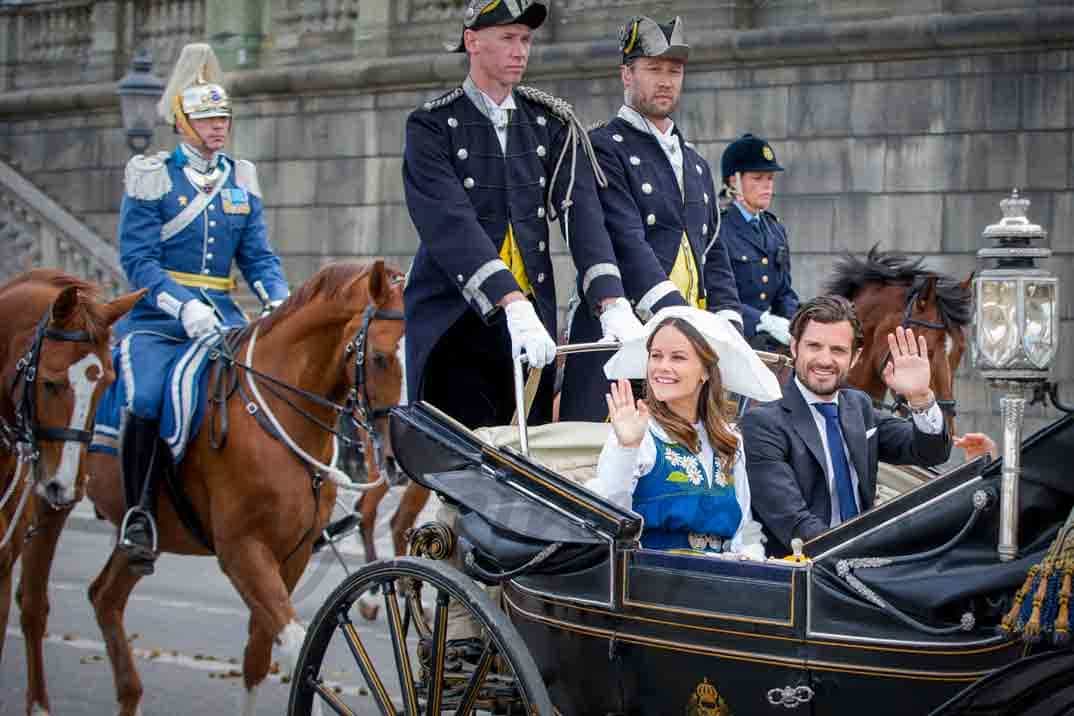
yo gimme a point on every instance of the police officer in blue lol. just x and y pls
(186, 217)
(486, 167)
(757, 243)
(660, 206)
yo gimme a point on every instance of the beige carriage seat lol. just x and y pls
(570, 449)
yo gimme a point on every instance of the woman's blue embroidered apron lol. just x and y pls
(681, 511)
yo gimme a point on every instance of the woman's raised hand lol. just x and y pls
(629, 418)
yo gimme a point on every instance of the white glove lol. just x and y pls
(618, 321)
(776, 326)
(198, 319)
(529, 334)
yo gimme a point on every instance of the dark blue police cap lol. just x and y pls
(748, 154)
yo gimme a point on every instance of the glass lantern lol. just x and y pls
(139, 91)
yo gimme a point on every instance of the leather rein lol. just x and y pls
(899, 405)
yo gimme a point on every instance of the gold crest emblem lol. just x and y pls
(183, 200)
(706, 701)
(767, 153)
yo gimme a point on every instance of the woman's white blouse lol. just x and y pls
(619, 469)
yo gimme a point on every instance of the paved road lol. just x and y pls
(188, 628)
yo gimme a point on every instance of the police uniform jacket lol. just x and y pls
(180, 254)
(646, 216)
(462, 192)
(761, 259)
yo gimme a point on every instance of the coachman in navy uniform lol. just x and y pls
(660, 206)
(757, 243)
(486, 167)
(186, 217)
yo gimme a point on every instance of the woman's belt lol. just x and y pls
(698, 542)
(197, 280)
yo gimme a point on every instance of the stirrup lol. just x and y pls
(337, 530)
(141, 558)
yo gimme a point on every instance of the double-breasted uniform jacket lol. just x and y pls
(463, 191)
(180, 242)
(761, 259)
(647, 215)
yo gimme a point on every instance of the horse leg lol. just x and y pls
(108, 594)
(32, 597)
(410, 506)
(367, 509)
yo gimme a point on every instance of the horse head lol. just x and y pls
(57, 364)
(376, 381)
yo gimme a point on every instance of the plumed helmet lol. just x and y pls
(193, 91)
(748, 154)
(644, 37)
(480, 14)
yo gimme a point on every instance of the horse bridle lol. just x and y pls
(357, 405)
(22, 436)
(900, 404)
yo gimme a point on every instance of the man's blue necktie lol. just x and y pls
(844, 486)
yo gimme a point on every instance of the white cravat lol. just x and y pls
(668, 140)
(498, 114)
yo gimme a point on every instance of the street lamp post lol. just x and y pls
(139, 91)
(1015, 338)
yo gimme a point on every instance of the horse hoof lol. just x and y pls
(368, 609)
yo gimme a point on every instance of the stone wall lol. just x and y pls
(902, 131)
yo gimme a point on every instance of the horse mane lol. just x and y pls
(92, 319)
(328, 283)
(852, 274)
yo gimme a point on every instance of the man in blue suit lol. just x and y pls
(186, 217)
(486, 167)
(659, 206)
(757, 243)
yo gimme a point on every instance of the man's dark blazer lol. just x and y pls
(786, 464)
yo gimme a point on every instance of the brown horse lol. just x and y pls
(55, 365)
(889, 290)
(334, 339)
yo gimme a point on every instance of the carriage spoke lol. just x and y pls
(365, 664)
(402, 656)
(415, 610)
(481, 670)
(331, 698)
(436, 658)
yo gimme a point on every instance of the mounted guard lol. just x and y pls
(187, 216)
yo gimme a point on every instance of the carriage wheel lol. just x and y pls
(417, 671)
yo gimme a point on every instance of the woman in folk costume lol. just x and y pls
(672, 457)
(186, 217)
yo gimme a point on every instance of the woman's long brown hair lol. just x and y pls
(709, 402)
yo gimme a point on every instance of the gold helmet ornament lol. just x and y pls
(194, 92)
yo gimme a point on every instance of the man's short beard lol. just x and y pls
(648, 109)
(802, 374)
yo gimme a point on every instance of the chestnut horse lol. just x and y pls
(262, 499)
(55, 364)
(890, 290)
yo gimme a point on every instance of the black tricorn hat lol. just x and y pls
(480, 14)
(644, 37)
(748, 154)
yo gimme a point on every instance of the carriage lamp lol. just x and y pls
(139, 91)
(1015, 337)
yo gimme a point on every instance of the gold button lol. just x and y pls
(764, 296)
(764, 279)
(765, 260)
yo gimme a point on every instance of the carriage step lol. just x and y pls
(337, 530)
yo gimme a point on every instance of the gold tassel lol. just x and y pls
(1032, 629)
(1010, 622)
(1062, 620)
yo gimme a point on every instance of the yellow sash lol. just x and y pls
(197, 280)
(511, 256)
(684, 275)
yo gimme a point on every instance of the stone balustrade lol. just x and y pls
(35, 231)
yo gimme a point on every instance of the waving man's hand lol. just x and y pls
(908, 372)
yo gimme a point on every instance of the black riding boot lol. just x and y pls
(138, 532)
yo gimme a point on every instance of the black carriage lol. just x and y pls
(894, 612)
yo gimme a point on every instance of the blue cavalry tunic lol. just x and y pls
(761, 259)
(464, 191)
(179, 242)
(647, 215)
